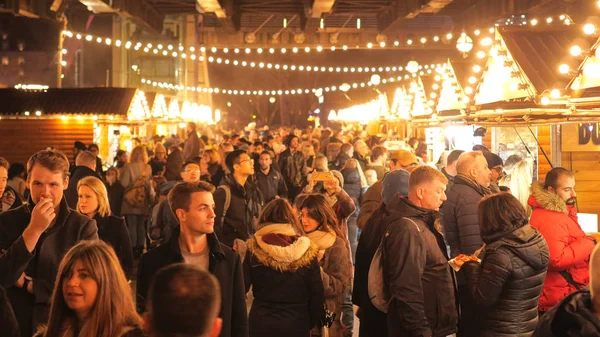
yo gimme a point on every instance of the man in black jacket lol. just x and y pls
(194, 242)
(578, 314)
(372, 321)
(450, 169)
(269, 182)
(415, 263)
(85, 166)
(292, 165)
(237, 220)
(9, 198)
(35, 237)
(461, 225)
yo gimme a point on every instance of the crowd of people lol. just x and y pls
(291, 233)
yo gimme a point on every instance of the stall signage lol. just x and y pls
(582, 137)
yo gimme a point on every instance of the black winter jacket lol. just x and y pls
(352, 184)
(224, 264)
(116, 192)
(292, 168)
(70, 228)
(244, 206)
(339, 162)
(574, 316)
(417, 273)
(271, 185)
(460, 221)
(288, 296)
(507, 285)
(372, 321)
(113, 230)
(71, 194)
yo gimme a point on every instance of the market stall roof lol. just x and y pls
(540, 53)
(587, 81)
(101, 101)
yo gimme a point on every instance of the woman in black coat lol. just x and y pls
(507, 285)
(93, 202)
(283, 269)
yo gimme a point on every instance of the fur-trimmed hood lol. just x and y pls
(297, 255)
(542, 198)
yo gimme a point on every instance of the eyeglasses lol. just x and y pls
(245, 160)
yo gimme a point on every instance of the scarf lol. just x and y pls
(322, 239)
(281, 242)
(469, 181)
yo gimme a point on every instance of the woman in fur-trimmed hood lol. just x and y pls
(283, 269)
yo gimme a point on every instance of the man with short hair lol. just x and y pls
(555, 216)
(237, 220)
(346, 153)
(78, 147)
(400, 159)
(361, 153)
(34, 238)
(85, 166)
(495, 165)
(416, 267)
(269, 182)
(379, 156)
(166, 221)
(95, 150)
(9, 198)
(195, 243)
(183, 300)
(578, 314)
(293, 166)
(461, 226)
(450, 169)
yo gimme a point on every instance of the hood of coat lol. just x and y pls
(542, 198)
(351, 176)
(290, 257)
(401, 207)
(527, 243)
(575, 316)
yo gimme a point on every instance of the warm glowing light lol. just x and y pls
(480, 54)
(486, 41)
(472, 80)
(382, 44)
(564, 69)
(549, 20)
(589, 28)
(369, 45)
(534, 22)
(575, 51)
(423, 40)
(545, 100)
(476, 68)
(555, 93)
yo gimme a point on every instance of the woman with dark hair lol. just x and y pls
(283, 269)
(508, 283)
(215, 170)
(16, 179)
(319, 223)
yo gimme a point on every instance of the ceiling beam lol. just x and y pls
(227, 14)
(407, 9)
(320, 7)
(138, 11)
(211, 6)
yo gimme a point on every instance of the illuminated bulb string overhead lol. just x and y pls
(149, 48)
(342, 87)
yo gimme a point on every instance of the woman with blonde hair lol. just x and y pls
(137, 180)
(93, 202)
(308, 151)
(91, 296)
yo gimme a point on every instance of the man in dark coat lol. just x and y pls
(292, 165)
(9, 198)
(194, 242)
(85, 166)
(175, 162)
(372, 321)
(8, 321)
(578, 313)
(35, 237)
(461, 225)
(191, 148)
(415, 262)
(268, 180)
(450, 169)
(346, 153)
(237, 221)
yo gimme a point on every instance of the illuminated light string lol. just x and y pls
(299, 91)
(449, 37)
(151, 49)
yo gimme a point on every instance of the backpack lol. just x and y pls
(379, 292)
(135, 194)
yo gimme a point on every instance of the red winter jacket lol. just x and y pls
(569, 247)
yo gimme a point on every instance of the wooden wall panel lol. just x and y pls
(584, 166)
(543, 135)
(22, 138)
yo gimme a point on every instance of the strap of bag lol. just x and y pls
(227, 202)
(570, 280)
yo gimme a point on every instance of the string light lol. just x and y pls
(333, 88)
